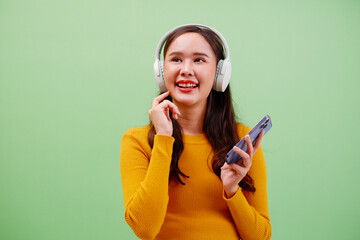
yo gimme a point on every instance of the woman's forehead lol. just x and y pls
(193, 42)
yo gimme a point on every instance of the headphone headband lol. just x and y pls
(165, 37)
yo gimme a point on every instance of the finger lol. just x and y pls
(258, 141)
(241, 152)
(238, 170)
(159, 98)
(167, 114)
(173, 108)
(225, 166)
(249, 146)
(246, 160)
(246, 163)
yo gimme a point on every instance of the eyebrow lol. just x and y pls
(195, 53)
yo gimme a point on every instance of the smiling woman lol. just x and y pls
(189, 70)
(175, 180)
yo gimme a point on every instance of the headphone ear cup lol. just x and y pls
(162, 87)
(218, 69)
(159, 75)
(161, 65)
(222, 76)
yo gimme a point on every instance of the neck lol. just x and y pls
(192, 119)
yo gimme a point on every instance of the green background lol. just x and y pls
(75, 75)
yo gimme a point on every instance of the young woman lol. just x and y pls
(176, 183)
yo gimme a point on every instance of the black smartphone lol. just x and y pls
(264, 124)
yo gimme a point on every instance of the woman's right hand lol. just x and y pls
(160, 115)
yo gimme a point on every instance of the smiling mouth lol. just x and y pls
(187, 85)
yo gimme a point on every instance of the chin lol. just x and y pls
(187, 101)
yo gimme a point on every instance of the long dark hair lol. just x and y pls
(219, 125)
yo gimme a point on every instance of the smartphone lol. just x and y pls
(264, 124)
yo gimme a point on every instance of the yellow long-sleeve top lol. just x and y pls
(157, 209)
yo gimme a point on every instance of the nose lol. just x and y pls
(186, 69)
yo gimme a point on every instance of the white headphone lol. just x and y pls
(223, 70)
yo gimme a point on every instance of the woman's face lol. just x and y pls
(189, 69)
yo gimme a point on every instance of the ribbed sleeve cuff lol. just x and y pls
(162, 149)
(164, 143)
(236, 199)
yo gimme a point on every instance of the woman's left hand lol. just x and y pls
(232, 174)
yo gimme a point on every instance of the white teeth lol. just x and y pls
(186, 85)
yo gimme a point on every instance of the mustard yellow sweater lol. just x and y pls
(155, 209)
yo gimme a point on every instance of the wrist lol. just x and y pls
(166, 133)
(231, 191)
(163, 131)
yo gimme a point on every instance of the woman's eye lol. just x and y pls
(199, 60)
(176, 60)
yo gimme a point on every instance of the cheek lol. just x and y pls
(209, 74)
(169, 77)
(169, 72)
